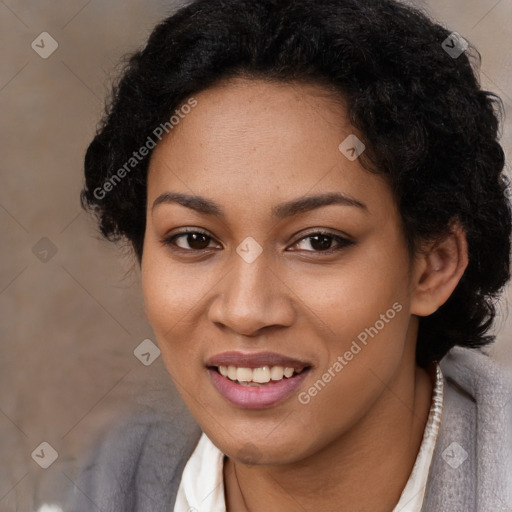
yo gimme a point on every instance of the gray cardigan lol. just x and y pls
(138, 466)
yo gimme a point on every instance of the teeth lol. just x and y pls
(260, 375)
(276, 372)
(244, 374)
(232, 372)
(288, 372)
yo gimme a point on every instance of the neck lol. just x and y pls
(377, 454)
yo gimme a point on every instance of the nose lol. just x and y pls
(251, 297)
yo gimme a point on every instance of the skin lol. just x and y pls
(250, 145)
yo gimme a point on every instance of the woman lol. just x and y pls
(314, 192)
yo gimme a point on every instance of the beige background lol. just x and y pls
(69, 325)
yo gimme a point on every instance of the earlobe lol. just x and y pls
(439, 270)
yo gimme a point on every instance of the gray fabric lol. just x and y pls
(477, 416)
(138, 466)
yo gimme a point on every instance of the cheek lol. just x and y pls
(363, 351)
(171, 297)
(169, 289)
(350, 297)
(364, 309)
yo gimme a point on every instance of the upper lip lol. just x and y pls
(256, 360)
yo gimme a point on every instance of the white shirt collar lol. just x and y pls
(411, 499)
(202, 484)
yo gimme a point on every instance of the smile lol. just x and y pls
(258, 380)
(257, 376)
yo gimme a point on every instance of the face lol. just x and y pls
(267, 248)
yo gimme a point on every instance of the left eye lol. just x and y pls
(321, 242)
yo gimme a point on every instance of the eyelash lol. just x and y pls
(342, 241)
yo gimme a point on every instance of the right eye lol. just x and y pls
(191, 241)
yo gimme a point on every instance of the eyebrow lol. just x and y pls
(281, 211)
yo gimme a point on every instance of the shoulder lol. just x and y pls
(472, 463)
(476, 372)
(137, 466)
(478, 398)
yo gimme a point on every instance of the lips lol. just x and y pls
(255, 381)
(258, 360)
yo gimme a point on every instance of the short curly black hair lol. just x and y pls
(411, 90)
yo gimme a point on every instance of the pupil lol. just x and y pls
(193, 240)
(324, 244)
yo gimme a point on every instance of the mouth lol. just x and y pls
(257, 376)
(256, 381)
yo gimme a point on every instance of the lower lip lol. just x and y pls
(256, 397)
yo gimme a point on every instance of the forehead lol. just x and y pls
(258, 121)
(248, 139)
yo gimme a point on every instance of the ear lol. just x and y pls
(438, 269)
